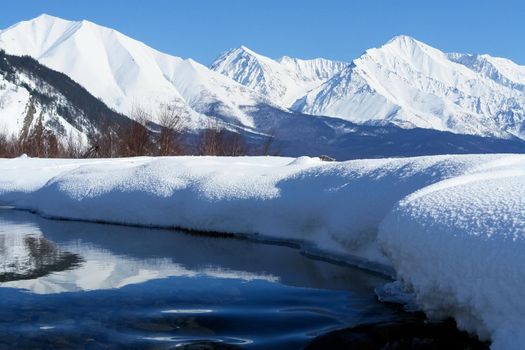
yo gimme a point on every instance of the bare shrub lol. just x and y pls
(39, 141)
(171, 119)
(9, 146)
(217, 141)
(74, 146)
(269, 146)
(105, 144)
(136, 140)
(235, 145)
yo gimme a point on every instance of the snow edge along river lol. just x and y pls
(452, 227)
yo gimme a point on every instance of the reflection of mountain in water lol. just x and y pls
(116, 256)
(26, 257)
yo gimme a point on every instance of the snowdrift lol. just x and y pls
(459, 245)
(451, 226)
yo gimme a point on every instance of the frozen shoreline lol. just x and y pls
(450, 226)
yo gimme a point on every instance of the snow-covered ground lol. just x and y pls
(453, 227)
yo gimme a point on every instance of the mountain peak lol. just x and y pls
(45, 18)
(402, 38)
(283, 80)
(405, 43)
(247, 50)
(405, 48)
(44, 22)
(239, 53)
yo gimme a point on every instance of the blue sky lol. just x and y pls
(336, 29)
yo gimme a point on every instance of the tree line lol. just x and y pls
(167, 137)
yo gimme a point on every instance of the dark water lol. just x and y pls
(79, 285)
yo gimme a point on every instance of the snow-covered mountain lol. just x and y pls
(501, 70)
(414, 85)
(283, 81)
(404, 82)
(124, 72)
(19, 110)
(31, 93)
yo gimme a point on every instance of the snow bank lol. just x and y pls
(460, 245)
(452, 226)
(336, 206)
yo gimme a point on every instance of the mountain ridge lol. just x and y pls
(132, 73)
(413, 84)
(283, 80)
(402, 84)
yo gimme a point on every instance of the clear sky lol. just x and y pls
(335, 29)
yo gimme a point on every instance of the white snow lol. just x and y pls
(459, 244)
(125, 73)
(13, 105)
(451, 226)
(283, 81)
(415, 85)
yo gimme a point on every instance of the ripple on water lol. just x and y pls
(83, 285)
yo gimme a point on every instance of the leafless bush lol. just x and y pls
(217, 141)
(9, 146)
(74, 146)
(136, 140)
(269, 146)
(235, 145)
(39, 141)
(171, 120)
(105, 144)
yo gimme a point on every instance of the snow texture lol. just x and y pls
(329, 204)
(459, 245)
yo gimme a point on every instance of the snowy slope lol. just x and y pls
(412, 84)
(31, 93)
(452, 226)
(20, 110)
(503, 71)
(124, 72)
(283, 80)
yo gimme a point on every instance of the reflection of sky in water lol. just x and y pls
(141, 287)
(116, 256)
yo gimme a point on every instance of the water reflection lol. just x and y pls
(85, 256)
(77, 285)
(28, 257)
